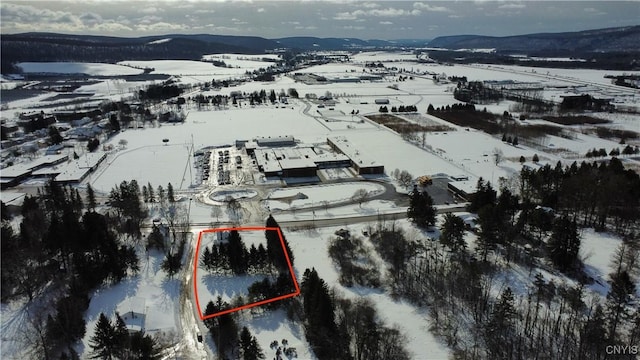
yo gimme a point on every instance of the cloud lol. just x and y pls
(161, 26)
(149, 19)
(345, 16)
(428, 7)
(594, 11)
(369, 5)
(375, 12)
(385, 23)
(261, 10)
(90, 19)
(151, 10)
(512, 6)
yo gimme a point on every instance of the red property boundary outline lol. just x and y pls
(246, 306)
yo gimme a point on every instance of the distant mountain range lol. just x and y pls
(37, 46)
(621, 39)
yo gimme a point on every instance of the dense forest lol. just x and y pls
(63, 249)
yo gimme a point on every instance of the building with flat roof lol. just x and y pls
(363, 164)
(77, 170)
(14, 175)
(463, 188)
(297, 161)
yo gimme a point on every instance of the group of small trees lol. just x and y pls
(535, 159)
(113, 341)
(354, 261)
(230, 343)
(125, 200)
(338, 328)
(455, 107)
(267, 289)
(510, 140)
(401, 108)
(149, 196)
(233, 256)
(158, 92)
(627, 150)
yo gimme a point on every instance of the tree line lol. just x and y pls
(233, 256)
(401, 108)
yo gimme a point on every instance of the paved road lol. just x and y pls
(324, 222)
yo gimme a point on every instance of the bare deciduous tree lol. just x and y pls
(360, 196)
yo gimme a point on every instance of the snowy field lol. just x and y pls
(98, 69)
(151, 162)
(309, 196)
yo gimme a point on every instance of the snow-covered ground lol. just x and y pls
(101, 69)
(151, 295)
(147, 159)
(309, 196)
(310, 248)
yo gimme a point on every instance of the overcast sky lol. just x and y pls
(340, 18)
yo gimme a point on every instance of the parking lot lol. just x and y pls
(222, 166)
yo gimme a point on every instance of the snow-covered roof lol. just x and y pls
(76, 170)
(468, 186)
(24, 168)
(12, 197)
(348, 148)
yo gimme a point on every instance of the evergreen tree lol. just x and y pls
(421, 210)
(206, 260)
(161, 194)
(145, 194)
(488, 237)
(170, 195)
(54, 135)
(143, 347)
(121, 339)
(593, 335)
(91, 198)
(535, 158)
(620, 296)
(249, 346)
(499, 331)
(152, 197)
(237, 253)
(102, 342)
(452, 232)
(484, 195)
(274, 249)
(171, 264)
(564, 244)
(319, 308)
